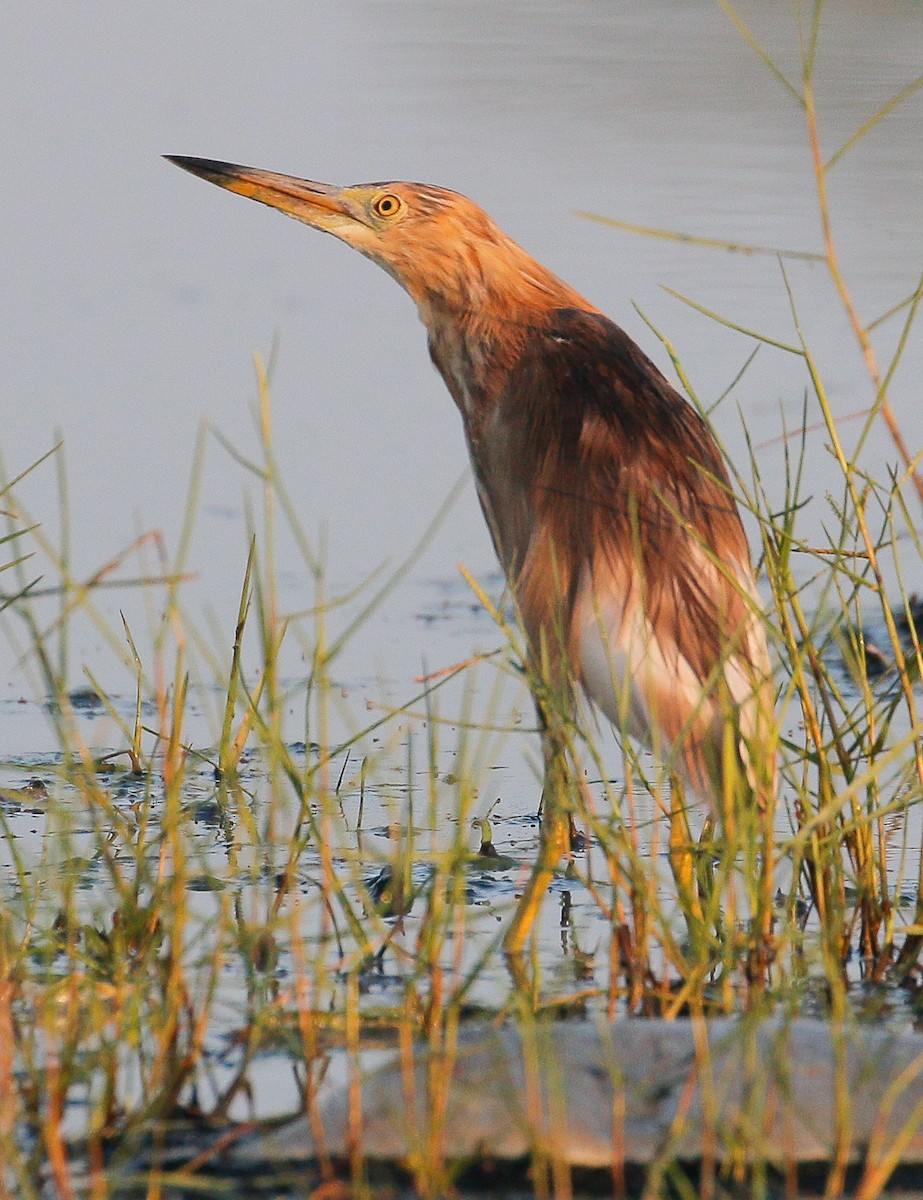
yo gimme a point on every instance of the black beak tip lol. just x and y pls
(205, 168)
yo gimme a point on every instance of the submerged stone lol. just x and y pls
(633, 1092)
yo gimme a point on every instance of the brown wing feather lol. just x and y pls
(610, 456)
(615, 475)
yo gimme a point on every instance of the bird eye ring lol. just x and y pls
(386, 205)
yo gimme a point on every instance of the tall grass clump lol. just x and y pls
(261, 867)
(857, 771)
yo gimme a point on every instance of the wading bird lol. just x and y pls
(605, 495)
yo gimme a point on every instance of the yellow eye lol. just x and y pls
(387, 205)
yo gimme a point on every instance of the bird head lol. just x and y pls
(444, 250)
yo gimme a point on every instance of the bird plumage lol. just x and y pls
(612, 513)
(606, 496)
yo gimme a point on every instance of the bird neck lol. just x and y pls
(472, 352)
(495, 291)
(479, 321)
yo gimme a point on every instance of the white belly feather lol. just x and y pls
(650, 691)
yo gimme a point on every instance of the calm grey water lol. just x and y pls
(133, 296)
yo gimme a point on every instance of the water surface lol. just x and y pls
(135, 296)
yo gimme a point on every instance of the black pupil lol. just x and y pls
(386, 205)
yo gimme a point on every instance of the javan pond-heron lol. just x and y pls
(606, 496)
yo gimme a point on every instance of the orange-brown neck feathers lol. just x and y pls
(454, 260)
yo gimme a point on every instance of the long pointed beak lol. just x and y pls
(317, 204)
